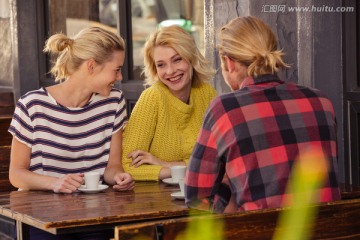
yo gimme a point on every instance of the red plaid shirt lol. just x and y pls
(253, 136)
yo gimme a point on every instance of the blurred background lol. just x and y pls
(322, 47)
(70, 16)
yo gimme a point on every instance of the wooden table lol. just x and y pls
(349, 191)
(78, 212)
(334, 220)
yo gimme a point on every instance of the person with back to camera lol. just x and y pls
(251, 136)
(63, 131)
(166, 119)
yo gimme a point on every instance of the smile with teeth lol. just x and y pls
(176, 78)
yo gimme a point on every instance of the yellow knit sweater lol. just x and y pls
(165, 126)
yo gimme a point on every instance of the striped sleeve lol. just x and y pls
(21, 126)
(121, 114)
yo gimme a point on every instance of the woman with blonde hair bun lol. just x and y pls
(251, 137)
(65, 130)
(166, 119)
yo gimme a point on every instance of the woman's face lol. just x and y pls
(105, 75)
(173, 70)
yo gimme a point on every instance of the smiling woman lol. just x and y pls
(166, 120)
(63, 131)
(174, 72)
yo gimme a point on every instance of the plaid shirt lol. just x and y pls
(252, 137)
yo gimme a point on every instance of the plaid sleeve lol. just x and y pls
(204, 188)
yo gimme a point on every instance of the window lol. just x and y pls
(351, 43)
(70, 16)
(147, 15)
(133, 19)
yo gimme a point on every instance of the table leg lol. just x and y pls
(22, 231)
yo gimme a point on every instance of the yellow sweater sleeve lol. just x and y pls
(139, 133)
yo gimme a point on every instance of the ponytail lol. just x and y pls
(268, 62)
(59, 44)
(251, 42)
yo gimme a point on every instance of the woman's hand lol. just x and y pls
(68, 183)
(140, 157)
(124, 181)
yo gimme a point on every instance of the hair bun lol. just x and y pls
(263, 59)
(69, 42)
(65, 43)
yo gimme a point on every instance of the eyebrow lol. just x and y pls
(171, 58)
(176, 55)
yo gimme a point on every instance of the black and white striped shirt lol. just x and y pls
(67, 140)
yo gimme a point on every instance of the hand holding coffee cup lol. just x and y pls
(177, 172)
(92, 180)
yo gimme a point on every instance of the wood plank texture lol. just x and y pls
(334, 221)
(5, 185)
(4, 158)
(7, 105)
(5, 149)
(5, 136)
(349, 192)
(60, 213)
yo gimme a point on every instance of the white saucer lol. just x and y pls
(102, 187)
(178, 195)
(170, 181)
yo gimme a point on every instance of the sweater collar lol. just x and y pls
(177, 103)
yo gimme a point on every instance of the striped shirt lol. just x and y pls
(254, 135)
(67, 140)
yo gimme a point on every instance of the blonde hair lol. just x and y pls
(183, 43)
(90, 43)
(251, 42)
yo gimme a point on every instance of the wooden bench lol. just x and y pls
(5, 149)
(7, 225)
(7, 103)
(5, 136)
(334, 220)
(5, 185)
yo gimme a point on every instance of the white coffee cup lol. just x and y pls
(92, 180)
(177, 172)
(182, 186)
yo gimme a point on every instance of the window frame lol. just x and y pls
(351, 89)
(125, 29)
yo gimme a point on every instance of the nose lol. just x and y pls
(119, 76)
(170, 70)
